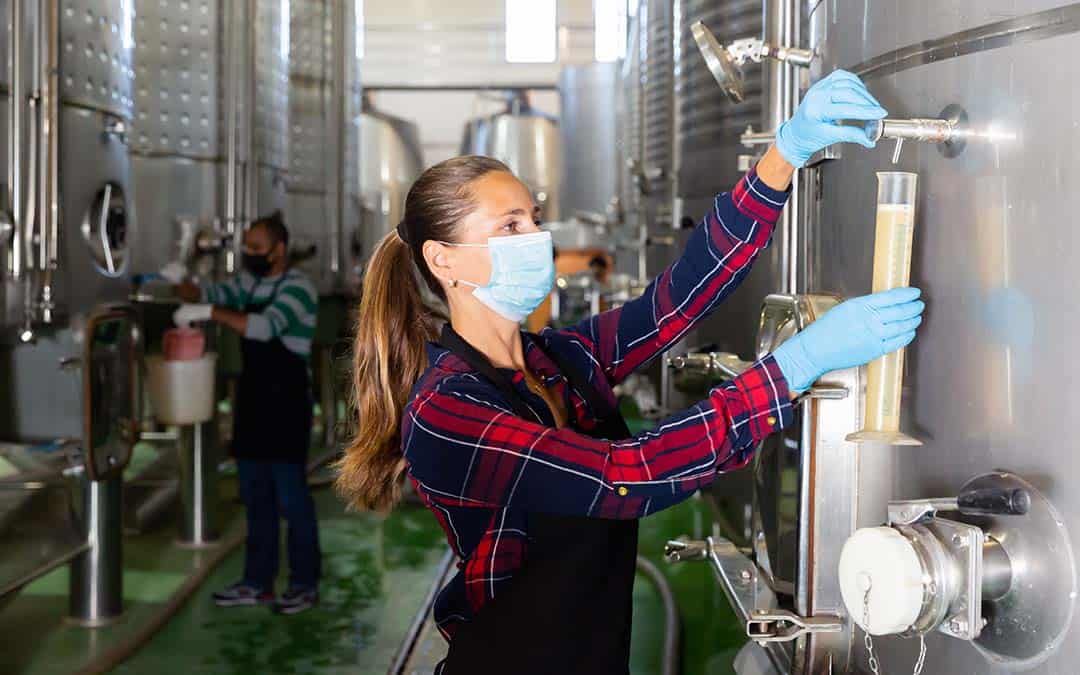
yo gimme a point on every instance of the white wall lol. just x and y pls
(461, 43)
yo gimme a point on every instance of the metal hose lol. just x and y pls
(672, 628)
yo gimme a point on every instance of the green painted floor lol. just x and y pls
(377, 571)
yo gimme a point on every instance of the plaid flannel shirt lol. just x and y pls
(481, 469)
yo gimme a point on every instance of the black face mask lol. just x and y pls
(258, 265)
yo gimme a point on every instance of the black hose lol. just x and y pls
(672, 627)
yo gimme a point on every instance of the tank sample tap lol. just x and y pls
(949, 130)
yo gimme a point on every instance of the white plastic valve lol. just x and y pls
(882, 561)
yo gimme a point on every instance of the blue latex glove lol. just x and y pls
(840, 96)
(852, 333)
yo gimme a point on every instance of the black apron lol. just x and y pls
(567, 611)
(273, 402)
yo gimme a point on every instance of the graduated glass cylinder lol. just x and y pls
(892, 269)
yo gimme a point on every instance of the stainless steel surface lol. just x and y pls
(587, 124)
(658, 106)
(112, 351)
(47, 228)
(96, 44)
(710, 123)
(783, 26)
(630, 101)
(992, 343)
(322, 107)
(178, 75)
(778, 625)
(198, 460)
(38, 531)
(806, 493)
(528, 141)
(719, 62)
(1030, 623)
(390, 161)
(92, 162)
(96, 586)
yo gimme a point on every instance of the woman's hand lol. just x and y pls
(852, 333)
(814, 126)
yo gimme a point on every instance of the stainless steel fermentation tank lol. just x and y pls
(390, 161)
(588, 124)
(987, 381)
(210, 138)
(525, 139)
(324, 101)
(987, 385)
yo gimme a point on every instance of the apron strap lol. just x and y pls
(600, 406)
(480, 363)
(611, 419)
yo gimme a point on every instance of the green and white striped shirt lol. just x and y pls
(290, 315)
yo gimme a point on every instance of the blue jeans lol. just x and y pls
(271, 490)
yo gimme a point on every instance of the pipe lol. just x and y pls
(15, 135)
(231, 117)
(251, 165)
(997, 571)
(672, 635)
(782, 97)
(338, 118)
(96, 584)
(48, 35)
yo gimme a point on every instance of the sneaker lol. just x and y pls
(296, 600)
(242, 595)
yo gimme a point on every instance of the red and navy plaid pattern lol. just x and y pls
(481, 469)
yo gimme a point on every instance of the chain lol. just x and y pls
(869, 642)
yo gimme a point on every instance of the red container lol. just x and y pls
(184, 344)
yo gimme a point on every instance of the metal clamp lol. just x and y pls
(778, 625)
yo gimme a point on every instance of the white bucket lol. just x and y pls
(182, 392)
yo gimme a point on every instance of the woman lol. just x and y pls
(513, 440)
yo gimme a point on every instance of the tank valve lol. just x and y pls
(998, 572)
(949, 130)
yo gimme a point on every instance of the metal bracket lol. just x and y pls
(778, 625)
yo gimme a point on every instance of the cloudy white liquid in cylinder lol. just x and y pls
(892, 269)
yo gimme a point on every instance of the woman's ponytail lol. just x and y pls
(392, 330)
(394, 325)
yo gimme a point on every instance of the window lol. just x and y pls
(530, 31)
(609, 17)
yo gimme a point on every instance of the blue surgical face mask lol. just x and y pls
(522, 273)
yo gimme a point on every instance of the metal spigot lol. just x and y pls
(948, 130)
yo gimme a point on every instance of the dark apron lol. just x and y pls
(273, 402)
(567, 611)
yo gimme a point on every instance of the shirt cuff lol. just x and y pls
(768, 400)
(756, 200)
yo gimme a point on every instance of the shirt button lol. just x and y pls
(771, 420)
(623, 491)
